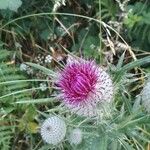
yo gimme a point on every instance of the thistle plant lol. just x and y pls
(86, 89)
(75, 95)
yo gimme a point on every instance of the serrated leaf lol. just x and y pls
(130, 66)
(120, 61)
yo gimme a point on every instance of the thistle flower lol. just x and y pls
(146, 97)
(83, 85)
(53, 130)
(75, 136)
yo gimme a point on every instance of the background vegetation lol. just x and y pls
(113, 32)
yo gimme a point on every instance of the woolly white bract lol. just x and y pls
(75, 136)
(53, 130)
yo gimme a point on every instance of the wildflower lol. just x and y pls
(48, 59)
(43, 86)
(53, 130)
(39, 59)
(146, 97)
(83, 85)
(75, 136)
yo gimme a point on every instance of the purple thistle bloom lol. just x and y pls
(83, 85)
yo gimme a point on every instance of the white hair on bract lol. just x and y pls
(53, 130)
(75, 136)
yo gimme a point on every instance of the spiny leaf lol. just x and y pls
(130, 66)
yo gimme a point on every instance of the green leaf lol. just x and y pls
(120, 61)
(35, 101)
(45, 70)
(132, 121)
(131, 20)
(130, 66)
(3, 54)
(127, 102)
